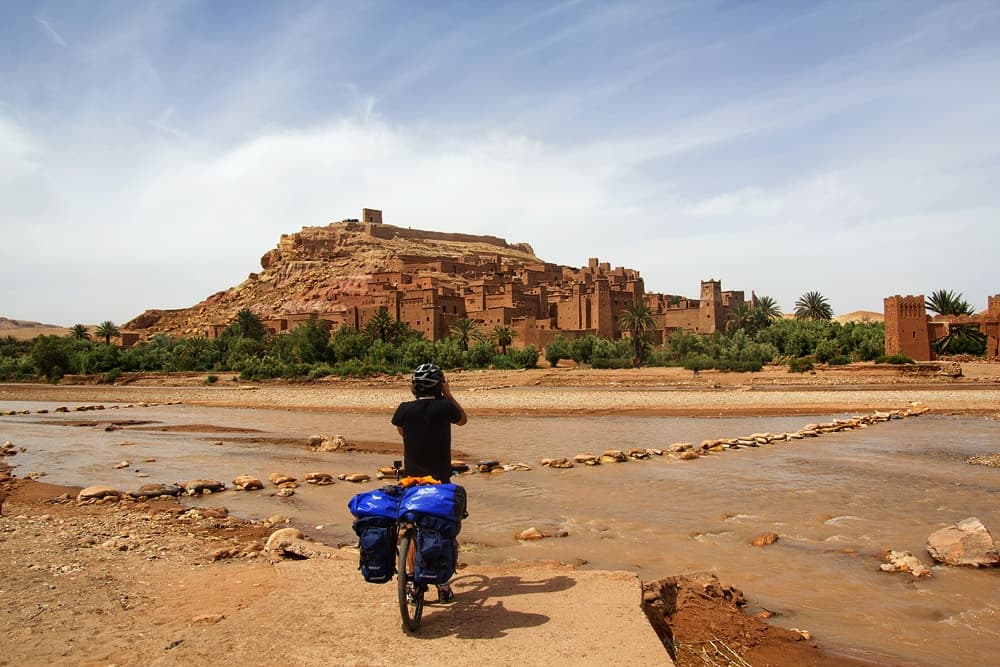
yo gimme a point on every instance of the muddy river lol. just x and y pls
(837, 502)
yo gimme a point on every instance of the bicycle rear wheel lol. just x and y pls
(411, 594)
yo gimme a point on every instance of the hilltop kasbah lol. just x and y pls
(348, 271)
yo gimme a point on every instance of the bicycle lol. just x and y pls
(411, 594)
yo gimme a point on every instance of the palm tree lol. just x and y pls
(464, 329)
(381, 326)
(107, 330)
(502, 336)
(813, 306)
(249, 325)
(79, 332)
(741, 317)
(767, 307)
(946, 302)
(637, 320)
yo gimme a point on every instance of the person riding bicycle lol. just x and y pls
(425, 424)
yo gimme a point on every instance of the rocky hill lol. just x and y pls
(310, 271)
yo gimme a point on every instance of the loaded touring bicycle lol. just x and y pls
(395, 520)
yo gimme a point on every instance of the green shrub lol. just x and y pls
(111, 376)
(698, 362)
(526, 357)
(826, 350)
(894, 359)
(479, 355)
(800, 365)
(211, 379)
(841, 360)
(505, 362)
(618, 362)
(557, 350)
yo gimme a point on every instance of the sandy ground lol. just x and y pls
(151, 583)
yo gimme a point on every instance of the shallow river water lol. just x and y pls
(837, 502)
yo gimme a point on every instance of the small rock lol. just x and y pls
(247, 483)
(211, 619)
(764, 539)
(688, 455)
(356, 477)
(487, 466)
(965, 543)
(319, 478)
(904, 561)
(122, 464)
(203, 486)
(281, 536)
(530, 534)
(275, 519)
(383, 472)
(278, 478)
(99, 491)
(329, 444)
(286, 492)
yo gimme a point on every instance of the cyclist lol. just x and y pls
(425, 424)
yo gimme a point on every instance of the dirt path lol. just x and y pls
(152, 584)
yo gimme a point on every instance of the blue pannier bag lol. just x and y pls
(377, 547)
(437, 549)
(447, 501)
(375, 512)
(382, 503)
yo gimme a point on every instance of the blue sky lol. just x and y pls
(150, 153)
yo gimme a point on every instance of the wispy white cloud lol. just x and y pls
(162, 124)
(49, 31)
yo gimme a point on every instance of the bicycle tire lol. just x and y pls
(411, 612)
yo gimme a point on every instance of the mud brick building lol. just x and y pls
(910, 330)
(346, 272)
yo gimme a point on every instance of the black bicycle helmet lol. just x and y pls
(427, 379)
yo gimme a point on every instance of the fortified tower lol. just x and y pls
(992, 326)
(906, 330)
(710, 310)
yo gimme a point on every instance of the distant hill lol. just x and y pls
(860, 316)
(25, 330)
(6, 323)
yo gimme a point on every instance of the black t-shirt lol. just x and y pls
(426, 426)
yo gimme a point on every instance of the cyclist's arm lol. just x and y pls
(446, 390)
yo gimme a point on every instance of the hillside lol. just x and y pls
(25, 330)
(311, 271)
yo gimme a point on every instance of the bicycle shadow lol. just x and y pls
(477, 614)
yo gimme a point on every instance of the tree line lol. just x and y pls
(756, 335)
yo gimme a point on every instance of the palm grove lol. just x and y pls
(756, 335)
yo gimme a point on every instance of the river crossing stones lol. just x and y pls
(157, 490)
(319, 478)
(202, 486)
(247, 483)
(98, 492)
